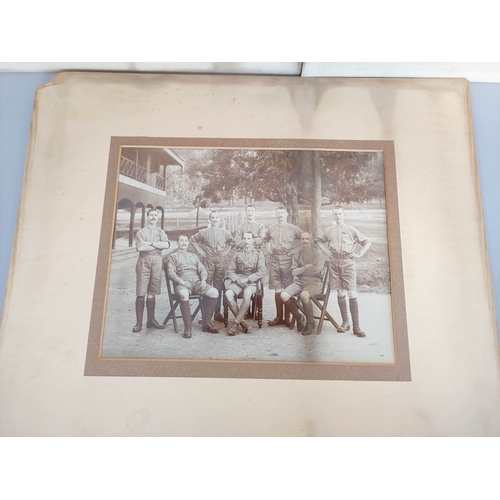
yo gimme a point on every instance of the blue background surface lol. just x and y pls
(17, 91)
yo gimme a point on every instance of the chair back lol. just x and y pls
(325, 282)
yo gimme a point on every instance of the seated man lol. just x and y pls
(189, 276)
(307, 265)
(246, 268)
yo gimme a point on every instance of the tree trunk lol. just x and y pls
(293, 204)
(316, 197)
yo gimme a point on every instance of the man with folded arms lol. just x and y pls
(189, 276)
(247, 267)
(342, 240)
(150, 241)
(307, 265)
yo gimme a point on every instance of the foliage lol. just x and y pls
(283, 176)
(351, 176)
(257, 174)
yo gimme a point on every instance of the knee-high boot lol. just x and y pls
(186, 317)
(150, 308)
(238, 320)
(279, 311)
(291, 305)
(233, 305)
(139, 313)
(308, 308)
(208, 309)
(287, 316)
(353, 306)
(345, 316)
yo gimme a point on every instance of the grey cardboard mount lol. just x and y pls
(451, 330)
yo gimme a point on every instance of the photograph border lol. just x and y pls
(134, 367)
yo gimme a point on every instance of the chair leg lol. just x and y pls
(323, 311)
(174, 318)
(226, 313)
(258, 302)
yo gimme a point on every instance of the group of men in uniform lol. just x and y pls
(295, 262)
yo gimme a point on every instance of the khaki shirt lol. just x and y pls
(251, 265)
(147, 234)
(213, 242)
(258, 230)
(182, 265)
(282, 239)
(304, 256)
(342, 238)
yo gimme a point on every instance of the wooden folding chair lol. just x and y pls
(256, 305)
(321, 302)
(174, 302)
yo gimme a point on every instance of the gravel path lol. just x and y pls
(266, 344)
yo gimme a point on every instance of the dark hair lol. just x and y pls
(249, 232)
(181, 235)
(282, 207)
(213, 212)
(338, 206)
(151, 210)
(250, 206)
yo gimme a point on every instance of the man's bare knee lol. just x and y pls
(305, 296)
(212, 293)
(341, 293)
(352, 295)
(285, 297)
(184, 295)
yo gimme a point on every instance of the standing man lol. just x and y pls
(190, 277)
(342, 241)
(307, 265)
(213, 245)
(150, 241)
(251, 225)
(281, 238)
(247, 267)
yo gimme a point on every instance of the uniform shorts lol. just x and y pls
(280, 272)
(148, 273)
(238, 289)
(309, 284)
(342, 274)
(196, 288)
(216, 271)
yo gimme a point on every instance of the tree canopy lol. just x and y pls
(285, 176)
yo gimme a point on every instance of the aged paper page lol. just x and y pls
(450, 315)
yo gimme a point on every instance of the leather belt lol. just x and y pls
(150, 252)
(340, 255)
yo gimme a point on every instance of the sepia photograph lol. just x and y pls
(247, 254)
